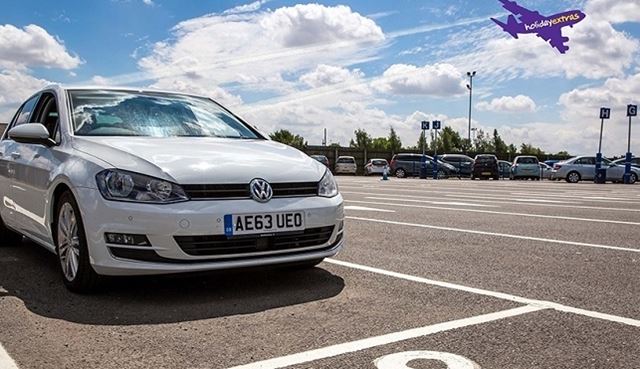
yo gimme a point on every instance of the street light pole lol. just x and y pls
(470, 87)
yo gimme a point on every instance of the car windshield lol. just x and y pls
(346, 161)
(485, 159)
(527, 161)
(121, 113)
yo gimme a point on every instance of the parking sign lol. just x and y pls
(425, 125)
(437, 124)
(632, 110)
(605, 113)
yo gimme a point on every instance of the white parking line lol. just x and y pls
(499, 295)
(362, 208)
(478, 193)
(622, 222)
(6, 362)
(510, 202)
(367, 343)
(494, 234)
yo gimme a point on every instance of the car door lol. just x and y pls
(34, 165)
(588, 168)
(9, 151)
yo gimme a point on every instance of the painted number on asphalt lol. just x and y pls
(401, 360)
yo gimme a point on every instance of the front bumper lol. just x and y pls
(161, 223)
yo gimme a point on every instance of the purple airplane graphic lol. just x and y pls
(547, 28)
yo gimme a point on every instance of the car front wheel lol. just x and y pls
(633, 178)
(71, 247)
(401, 173)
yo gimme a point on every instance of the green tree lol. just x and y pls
(449, 141)
(395, 144)
(288, 138)
(363, 140)
(483, 144)
(500, 147)
(380, 144)
(512, 150)
(422, 142)
(528, 149)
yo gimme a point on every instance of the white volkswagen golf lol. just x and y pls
(132, 182)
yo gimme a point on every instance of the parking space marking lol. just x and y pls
(500, 195)
(570, 195)
(371, 342)
(499, 295)
(475, 199)
(363, 208)
(622, 222)
(6, 362)
(495, 234)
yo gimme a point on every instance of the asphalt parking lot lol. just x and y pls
(447, 274)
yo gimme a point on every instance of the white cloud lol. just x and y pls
(508, 104)
(222, 49)
(440, 80)
(246, 8)
(325, 75)
(597, 50)
(33, 46)
(15, 87)
(148, 2)
(615, 11)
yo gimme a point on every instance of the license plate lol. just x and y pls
(243, 224)
(486, 173)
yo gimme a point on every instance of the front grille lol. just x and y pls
(220, 245)
(241, 191)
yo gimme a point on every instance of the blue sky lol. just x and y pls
(341, 65)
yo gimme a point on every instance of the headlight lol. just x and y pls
(327, 186)
(119, 185)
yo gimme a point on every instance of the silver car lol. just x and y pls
(346, 165)
(583, 168)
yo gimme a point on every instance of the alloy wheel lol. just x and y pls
(68, 241)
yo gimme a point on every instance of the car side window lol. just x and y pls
(25, 112)
(47, 115)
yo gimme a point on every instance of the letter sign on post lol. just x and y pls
(605, 113)
(425, 125)
(632, 111)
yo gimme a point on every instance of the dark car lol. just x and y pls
(323, 159)
(408, 165)
(485, 166)
(462, 162)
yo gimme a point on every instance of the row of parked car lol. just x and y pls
(487, 166)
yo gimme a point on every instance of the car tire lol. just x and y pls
(573, 177)
(633, 178)
(496, 178)
(7, 236)
(442, 175)
(71, 247)
(401, 173)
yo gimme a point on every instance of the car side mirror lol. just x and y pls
(31, 133)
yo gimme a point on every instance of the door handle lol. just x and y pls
(16, 155)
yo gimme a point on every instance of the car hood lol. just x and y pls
(199, 160)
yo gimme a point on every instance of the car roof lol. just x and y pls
(62, 88)
(346, 157)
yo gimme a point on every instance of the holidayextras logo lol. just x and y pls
(532, 22)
